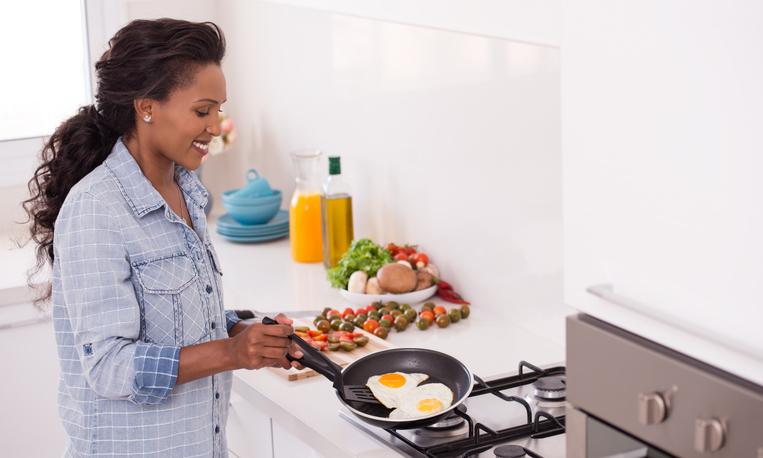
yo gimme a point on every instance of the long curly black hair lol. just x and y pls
(145, 59)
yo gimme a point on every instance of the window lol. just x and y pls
(45, 77)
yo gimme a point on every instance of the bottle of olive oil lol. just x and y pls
(336, 209)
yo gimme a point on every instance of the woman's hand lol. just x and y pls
(260, 345)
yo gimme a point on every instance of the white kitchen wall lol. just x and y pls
(662, 109)
(450, 140)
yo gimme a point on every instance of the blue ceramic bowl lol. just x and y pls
(253, 214)
(230, 197)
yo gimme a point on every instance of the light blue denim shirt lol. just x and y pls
(132, 284)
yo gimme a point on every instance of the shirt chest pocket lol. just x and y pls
(173, 309)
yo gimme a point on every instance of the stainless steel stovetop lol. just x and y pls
(518, 415)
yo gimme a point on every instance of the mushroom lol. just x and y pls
(372, 287)
(357, 282)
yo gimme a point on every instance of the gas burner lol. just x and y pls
(552, 388)
(509, 451)
(450, 421)
(451, 426)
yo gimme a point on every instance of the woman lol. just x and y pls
(144, 343)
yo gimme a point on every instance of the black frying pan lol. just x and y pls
(440, 367)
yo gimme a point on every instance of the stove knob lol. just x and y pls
(708, 435)
(652, 409)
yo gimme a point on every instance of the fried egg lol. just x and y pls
(390, 387)
(423, 401)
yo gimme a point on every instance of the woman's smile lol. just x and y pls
(201, 147)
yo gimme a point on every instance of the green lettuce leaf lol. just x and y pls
(363, 255)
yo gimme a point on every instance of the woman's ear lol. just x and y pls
(144, 109)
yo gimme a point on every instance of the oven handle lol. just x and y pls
(606, 292)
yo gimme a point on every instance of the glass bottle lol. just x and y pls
(336, 208)
(305, 208)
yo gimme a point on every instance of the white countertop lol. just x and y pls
(263, 277)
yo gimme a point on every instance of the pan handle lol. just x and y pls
(314, 359)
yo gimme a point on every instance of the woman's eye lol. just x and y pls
(201, 114)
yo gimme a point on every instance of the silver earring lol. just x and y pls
(147, 118)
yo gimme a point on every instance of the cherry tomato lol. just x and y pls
(427, 315)
(420, 258)
(401, 257)
(314, 333)
(321, 338)
(370, 325)
(392, 248)
(439, 310)
(388, 316)
(348, 311)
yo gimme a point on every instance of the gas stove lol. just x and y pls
(515, 416)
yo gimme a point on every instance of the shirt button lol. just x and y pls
(209, 289)
(213, 325)
(217, 395)
(217, 429)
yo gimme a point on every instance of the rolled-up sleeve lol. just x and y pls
(231, 318)
(103, 309)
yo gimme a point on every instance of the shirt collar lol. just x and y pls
(139, 192)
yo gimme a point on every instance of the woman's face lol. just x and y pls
(183, 125)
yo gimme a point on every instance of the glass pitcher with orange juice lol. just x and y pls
(305, 209)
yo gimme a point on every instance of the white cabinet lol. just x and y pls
(252, 433)
(287, 445)
(249, 429)
(31, 427)
(661, 142)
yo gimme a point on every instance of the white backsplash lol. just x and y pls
(450, 140)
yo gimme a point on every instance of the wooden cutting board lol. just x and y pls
(343, 358)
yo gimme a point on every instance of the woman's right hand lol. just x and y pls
(260, 345)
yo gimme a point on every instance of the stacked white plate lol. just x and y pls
(276, 228)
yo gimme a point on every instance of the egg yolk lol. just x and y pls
(429, 405)
(393, 380)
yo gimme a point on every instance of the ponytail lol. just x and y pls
(78, 146)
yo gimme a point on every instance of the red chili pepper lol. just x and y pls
(443, 285)
(451, 296)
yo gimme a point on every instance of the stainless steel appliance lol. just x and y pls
(513, 416)
(631, 398)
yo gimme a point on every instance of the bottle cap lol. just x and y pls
(335, 168)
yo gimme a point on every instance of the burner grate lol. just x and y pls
(482, 438)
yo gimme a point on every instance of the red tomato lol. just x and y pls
(420, 258)
(320, 345)
(334, 311)
(401, 257)
(392, 248)
(347, 311)
(321, 338)
(427, 314)
(370, 325)
(439, 310)
(314, 333)
(388, 317)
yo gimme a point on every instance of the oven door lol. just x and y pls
(587, 437)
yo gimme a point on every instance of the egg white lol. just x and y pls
(431, 393)
(390, 396)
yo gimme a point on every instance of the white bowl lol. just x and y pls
(407, 298)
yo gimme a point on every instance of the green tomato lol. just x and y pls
(336, 324)
(323, 326)
(410, 315)
(347, 326)
(385, 323)
(454, 315)
(443, 321)
(401, 323)
(393, 305)
(381, 332)
(465, 311)
(422, 324)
